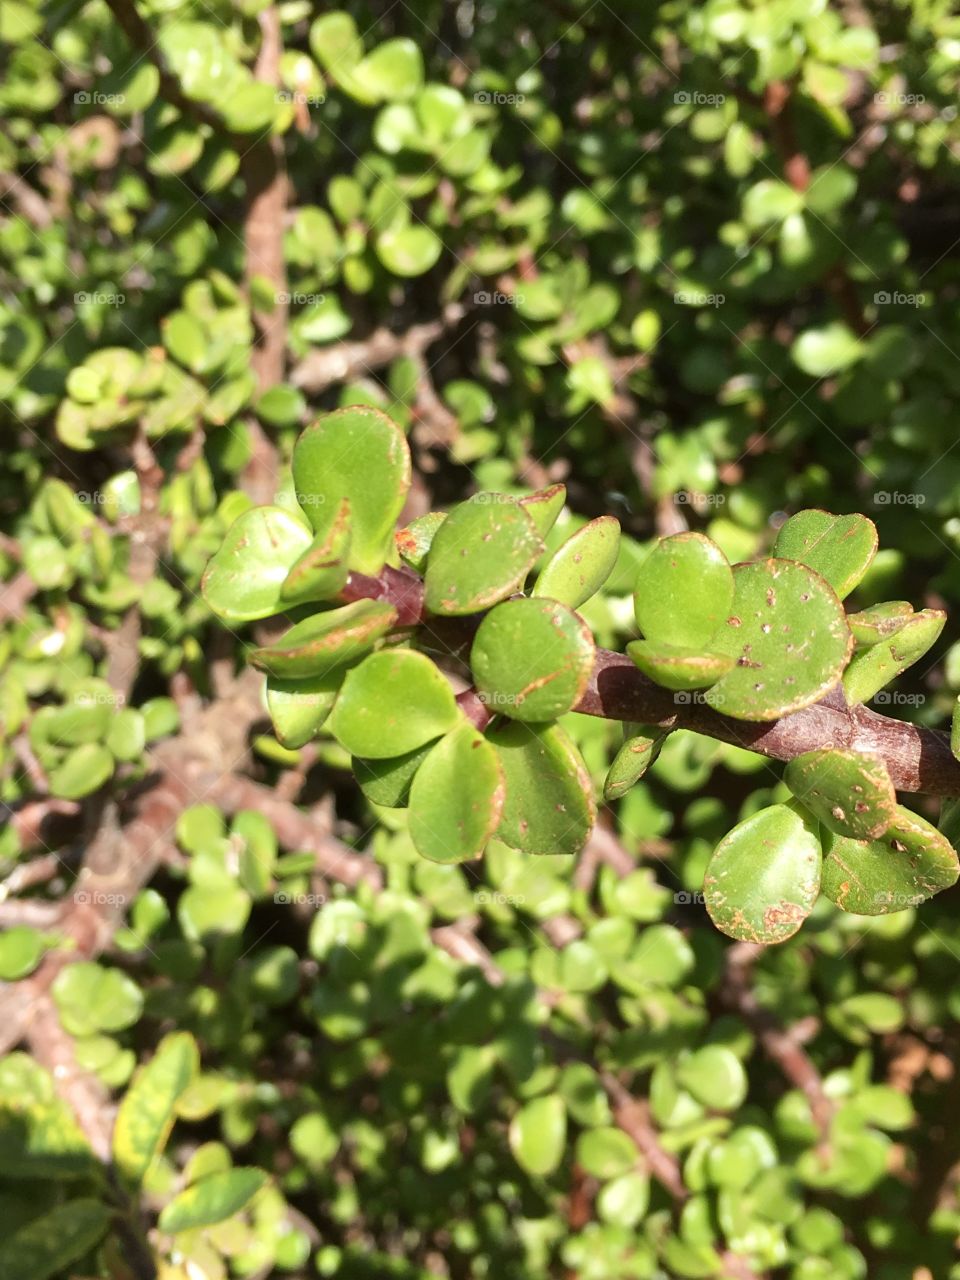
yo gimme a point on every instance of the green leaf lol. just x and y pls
(387, 782)
(871, 669)
(544, 506)
(715, 1076)
(684, 591)
(828, 350)
(839, 548)
(764, 876)
(481, 553)
(21, 949)
(49, 1244)
(244, 580)
(548, 806)
(391, 703)
(90, 998)
(84, 771)
(788, 635)
(335, 41)
(909, 863)
(678, 668)
(579, 568)
(393, 71)
(532, 659)
(146, 1113)
(457, 797)
(318, 645)
(408, 251)
(641, 746)
(879, 622)
(606, 1152)
(538, 1134)
(356, 453)
(847, 791)
(322, 570)
(298, 708)
(213, 1199)
(205, 912)
(414, 542)
(624, 1200)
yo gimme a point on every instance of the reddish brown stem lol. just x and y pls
(918, 759)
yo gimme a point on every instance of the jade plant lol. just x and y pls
(445, 656)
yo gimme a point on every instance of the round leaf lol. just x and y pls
(678, 668)
(391, 703)
(839, 548)
(244, 580)
(298, 708)
(849, 792)
(788, 635)
(532, 659)
(481, 553)
(764, 876)
(909, 863)
(548, 806)
(683, 592)
(360, 454)
(875, 667)
(538, 1134)
(715, 1076)
(580, 567)
(457, 797)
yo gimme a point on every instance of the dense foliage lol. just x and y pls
(391, 814)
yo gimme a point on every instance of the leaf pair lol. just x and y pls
(525, 784)
(351, 473)
(844, 835)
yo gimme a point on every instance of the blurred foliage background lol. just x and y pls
(698, 262)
